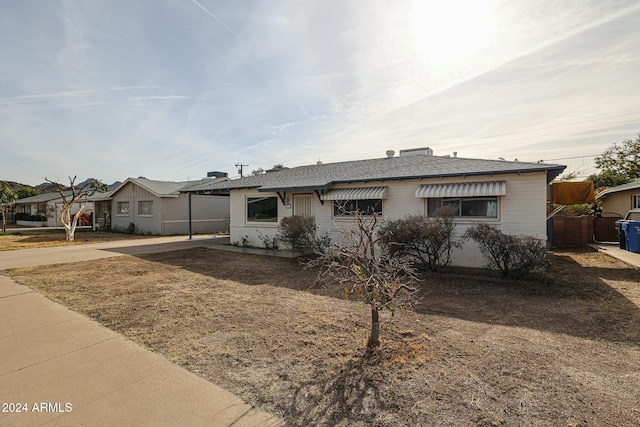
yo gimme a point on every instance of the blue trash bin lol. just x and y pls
(632, 234)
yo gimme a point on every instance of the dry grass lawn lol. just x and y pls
(475, 351)
(44, 239)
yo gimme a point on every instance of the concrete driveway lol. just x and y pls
(75, 253)
(60, 368)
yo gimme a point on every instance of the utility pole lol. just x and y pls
(240, 166)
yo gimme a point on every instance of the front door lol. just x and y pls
(302, 204)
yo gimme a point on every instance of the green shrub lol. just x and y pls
(21, 216)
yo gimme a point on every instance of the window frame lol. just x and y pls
(140, 211)
(377, 208)
(635, 201)
(271, 220)
(118, 210)
(460, 202)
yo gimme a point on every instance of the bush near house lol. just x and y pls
(300, 233)
(21, 216)
(429, 240)
(515, 256)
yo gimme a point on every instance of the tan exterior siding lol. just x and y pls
(618, 203)
(521, 211)
(170, 213)
(133, 194)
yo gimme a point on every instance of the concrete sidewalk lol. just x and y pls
(61, 368)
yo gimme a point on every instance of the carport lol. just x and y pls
(200, 190)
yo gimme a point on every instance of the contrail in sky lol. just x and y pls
(213, 16)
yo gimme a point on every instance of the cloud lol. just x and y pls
(156, 88)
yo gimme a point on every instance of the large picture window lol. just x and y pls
(364, 207)
(475, 207)
(262, 209)
(145, 207)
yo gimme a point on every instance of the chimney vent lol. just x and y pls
(391, 153)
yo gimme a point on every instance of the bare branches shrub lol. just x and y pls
(515, 256)
(301, 234)
(429, 240)
(368, 270)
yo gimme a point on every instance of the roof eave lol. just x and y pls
(552, 172)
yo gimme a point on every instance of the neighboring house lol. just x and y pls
(162, 207)
(44, 209)
(620, 199)
(510, 195)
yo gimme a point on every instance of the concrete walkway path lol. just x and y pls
(60, 368)
(613, 249)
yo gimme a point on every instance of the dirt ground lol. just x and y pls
(563, 350)
(42, 239)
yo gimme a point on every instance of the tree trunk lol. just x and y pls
(65, 219)
(374, 338)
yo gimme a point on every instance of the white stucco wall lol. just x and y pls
(522, 211)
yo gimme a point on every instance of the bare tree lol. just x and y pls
(7, 198)
(73, 195)
(369, 271)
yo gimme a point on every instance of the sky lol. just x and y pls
(172, 89)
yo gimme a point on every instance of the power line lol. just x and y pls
(575, 157)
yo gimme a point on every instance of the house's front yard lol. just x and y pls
(30, 239)
(474, 351)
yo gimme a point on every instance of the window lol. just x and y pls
(123, 208)
(262, 209)
(145, 207)
(364, 207)
(635, 201)
(483, 207)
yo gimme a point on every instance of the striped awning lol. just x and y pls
(361, 193)
(467, 189)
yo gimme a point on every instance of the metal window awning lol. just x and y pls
(467, 189)
(361, 193)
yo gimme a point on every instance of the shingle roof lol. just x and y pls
(322, 176)
(163, 188)
(617, 188)
(42, 198)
